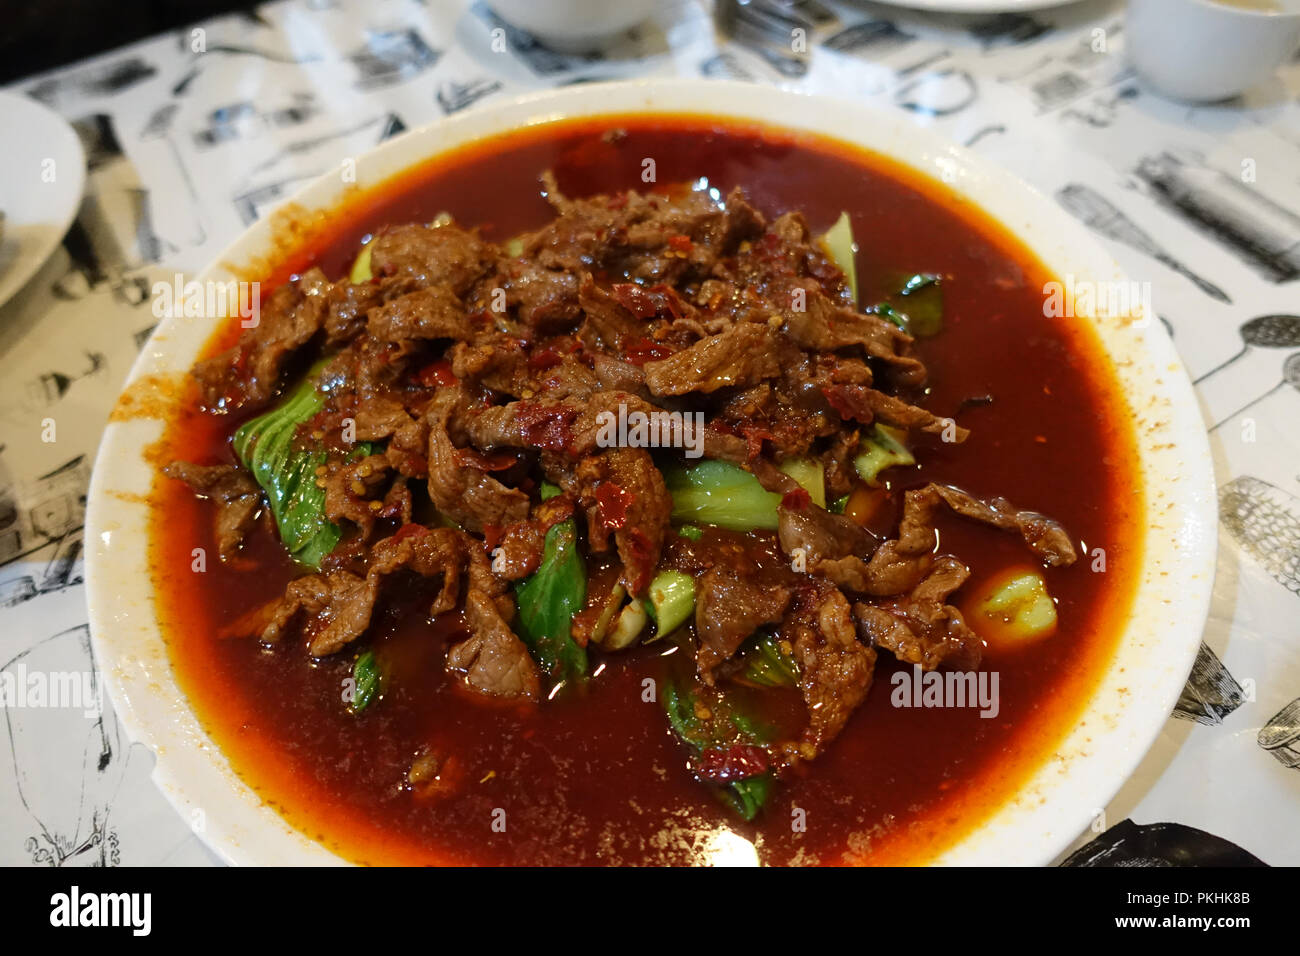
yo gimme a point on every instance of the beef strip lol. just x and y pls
(900, 564)
(746, 353)
(921, 628)
(442, 255)
(835, 668)
(351, 487)
(730, 606)
(517, 551)
(821, 535)
(492, 660)
(248, 373)
(237, 497)
(433, 312)
(466, 494)
(624, 494)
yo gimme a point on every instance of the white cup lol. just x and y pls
(573, 26)
(1206, 50)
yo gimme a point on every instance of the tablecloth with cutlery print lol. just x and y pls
(192, 135)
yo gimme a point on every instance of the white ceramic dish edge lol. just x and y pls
(39, 143)
(1122, 718)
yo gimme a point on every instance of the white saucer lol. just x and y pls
(42, 175)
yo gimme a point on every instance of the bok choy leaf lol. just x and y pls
(286, 470)
(839, 245)
(726, 495)
(548, 599)
(714, 729)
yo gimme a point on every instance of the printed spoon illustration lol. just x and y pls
(1098, 213)
(1290, 376)
(1265, 332)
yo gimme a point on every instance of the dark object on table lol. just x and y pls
(1160, 844)
(41, 36)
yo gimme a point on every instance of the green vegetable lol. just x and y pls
(691, 532)
(811, 475)
(1017, 610)
(839, 504)
(627, 628)
(887, 311)
(286, 470)
(367, 679)
(726, 725)
(839, 245)
(747, 796)
(361, 267)
(720, 493)
(547, 601)
(917, 308)
(672, 601)
(882, 447)
(515, 248)
(768, 665)
(921, 297)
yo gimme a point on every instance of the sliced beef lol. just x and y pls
(625, 495)
(492, 660)
(730, 606)
(545, 299)
(899, 565)
(443, 255)
(248, 374)
(352, 488)
(921, 628)
(337, 603)
(825, 326)
(517, 549)
(467, 494)
(745, 354)
(821, 535)
(497, 361)
(1044, 536)
(237, 497)
(384, 418)
(864, 405)
(607, 323)
(835, 668)
(433, 312)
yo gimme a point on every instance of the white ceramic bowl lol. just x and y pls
(573, 26)
(1205, 50)
(1134, 697)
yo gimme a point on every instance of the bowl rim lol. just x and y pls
(1058, 800)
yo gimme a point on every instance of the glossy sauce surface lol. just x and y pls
(598, 777)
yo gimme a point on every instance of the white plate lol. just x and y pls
(1134, 696)
(42, 175)
(975, 6)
